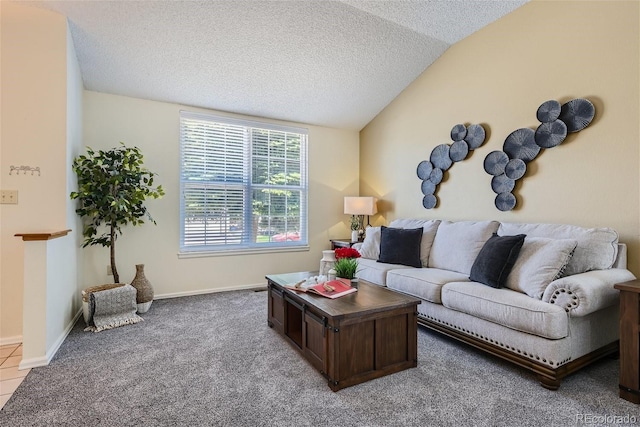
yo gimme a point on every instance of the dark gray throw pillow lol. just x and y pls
(400, 246)
(495, 260)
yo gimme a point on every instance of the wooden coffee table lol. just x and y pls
(351, 339)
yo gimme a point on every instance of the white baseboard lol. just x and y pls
(257, 286)
(35, 362)
(11, 340)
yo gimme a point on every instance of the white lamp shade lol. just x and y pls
(360, 205)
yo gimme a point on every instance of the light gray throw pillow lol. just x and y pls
(457, 244)
(597, 247)
(539, 263)
(371, 246)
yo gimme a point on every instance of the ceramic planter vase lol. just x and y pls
(327, 262)
(144, 295)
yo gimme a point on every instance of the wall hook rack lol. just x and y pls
(25, 169)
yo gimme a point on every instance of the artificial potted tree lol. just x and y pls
(112, 188)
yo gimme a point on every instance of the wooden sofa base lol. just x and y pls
(549, 378)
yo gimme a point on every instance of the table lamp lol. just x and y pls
(358, 207)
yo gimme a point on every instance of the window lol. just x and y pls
(243, 185)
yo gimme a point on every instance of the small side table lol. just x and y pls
(629, 340)
(341, 243)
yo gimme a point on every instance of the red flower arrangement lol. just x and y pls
(347, 253)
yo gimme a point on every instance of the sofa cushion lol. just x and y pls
(540, 262)
(496, 259)
(400, 246)
(429, 228)
(506, 307)
(457, 244)
(374, 271)
(425, 283)
(597, 248)
(370, 248)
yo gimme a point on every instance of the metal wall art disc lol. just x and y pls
(521, 144)
(458, 151)
(495, 162)
(436, 176)
(577, 114)
(505, 201)
(424, 169)
(548, 135)
(458, 132)
(429, 201)
(502, 184)
(549, 111)
(440, 157)
(428, 187)
(515, 169)
(475, 136)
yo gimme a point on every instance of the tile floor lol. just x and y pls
(10, 376)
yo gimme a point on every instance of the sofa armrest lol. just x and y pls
(584, 293)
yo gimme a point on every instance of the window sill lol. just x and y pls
(204, 254)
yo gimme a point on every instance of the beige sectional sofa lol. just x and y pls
(557, 311)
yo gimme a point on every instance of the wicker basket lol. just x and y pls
(86, 295)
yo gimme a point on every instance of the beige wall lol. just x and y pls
(34, 133)
(498, 77)
(154, 127)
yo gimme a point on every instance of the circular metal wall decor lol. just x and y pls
(431, 171)
(495, 162)
(424, 169)
(577, 114)
(429, 201)
(505, 201)
(515, 169)
(458, 151)
(458, 132)
(440, 157)
(521, 144)
(551, 134)
(549, 111)
(502, 184)
(428, 187)
(436, 176)
(475, 136)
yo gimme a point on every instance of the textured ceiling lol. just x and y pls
(329, 63)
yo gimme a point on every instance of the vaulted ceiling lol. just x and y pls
(328, 63)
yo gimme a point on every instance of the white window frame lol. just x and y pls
(248, 243)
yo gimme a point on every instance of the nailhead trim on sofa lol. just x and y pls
(517, 350)
(566, 298)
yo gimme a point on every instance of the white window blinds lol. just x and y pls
(243, 184)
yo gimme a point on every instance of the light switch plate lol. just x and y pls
(9, 197)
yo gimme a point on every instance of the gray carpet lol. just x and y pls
(212, 360)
